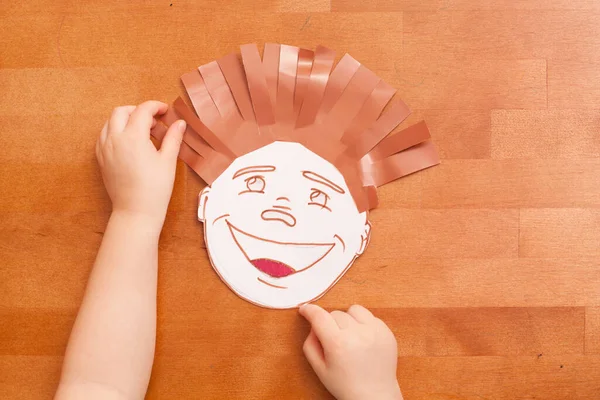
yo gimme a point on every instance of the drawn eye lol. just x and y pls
(319, 198)
(255, 184)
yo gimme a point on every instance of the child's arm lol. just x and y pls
(111, 349)
(353, 353)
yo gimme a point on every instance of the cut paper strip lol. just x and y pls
(400, 141)
(319, 76)
(198, 93)
(212, 139)
(372, 196)
(219, 91)
(293, 150)
(195, 162)
(414, 159)
(341, 115)
(337, 82)
(257, 85)
(186, 153)
(236, 79)
(190, 136)
(370, 112)
(158, 131)
(305, 61)
(389, 120)
(288, 65)
(271, 66)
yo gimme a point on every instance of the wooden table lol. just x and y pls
(486, 267)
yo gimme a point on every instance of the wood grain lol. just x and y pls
(559, 233)
(475, 378)
(459, 134)
(447, 233)
(573, 85)
(512, 183)
(592, 330)
(485, 267)
(503, 34)
(425, 332)
(29, 377)
(507, 83)
(443, 5)
(501, 282)
(54, 187)
(555, 134)
(116, 6)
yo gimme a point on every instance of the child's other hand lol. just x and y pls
(353, 353)
(138, 178)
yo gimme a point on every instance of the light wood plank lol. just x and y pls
(573, 84)
(37, 92)
(64, 187)
(164, 6)
(35, 332)
(501, 35)
(457, 134)
(559, 233)
(445, 5)
(29, 377)
(500, 378)
(110, 41)
(564, 134)
(447, 233)
(472, 84)
(52, 138)
(512, 183)
(447, 282)
(420, 332)
(592, 330)
(260, 377)
(486, 331)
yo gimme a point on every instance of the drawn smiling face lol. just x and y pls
(281, 226)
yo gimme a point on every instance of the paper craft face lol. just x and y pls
(281, 226)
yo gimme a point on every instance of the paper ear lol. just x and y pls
(202, 199)
(365, 237)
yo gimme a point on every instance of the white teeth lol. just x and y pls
(297, 255)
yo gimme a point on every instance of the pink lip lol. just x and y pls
(276, 269)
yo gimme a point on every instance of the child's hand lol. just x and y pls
(354, 354)
(138, 178)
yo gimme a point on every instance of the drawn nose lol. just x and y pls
(279, 215)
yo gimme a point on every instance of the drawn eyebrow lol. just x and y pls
(322, 180)
(255, 168)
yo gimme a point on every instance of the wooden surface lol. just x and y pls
(486, 267)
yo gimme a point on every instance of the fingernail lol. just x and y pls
(181, 125)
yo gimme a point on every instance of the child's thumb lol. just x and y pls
(173, 138)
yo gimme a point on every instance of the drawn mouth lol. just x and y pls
(278, 259)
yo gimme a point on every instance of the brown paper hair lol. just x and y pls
(344, 114)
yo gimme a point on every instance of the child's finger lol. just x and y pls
(99, 154)
(343, 320)
(172, 141)
(361, 314)
(118, 119)
(103, 134)
(141, 118)
(314, 353)
(321, 321)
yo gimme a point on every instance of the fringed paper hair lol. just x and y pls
(297, 95)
